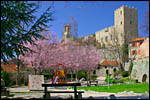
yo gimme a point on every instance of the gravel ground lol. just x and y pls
(26, 94)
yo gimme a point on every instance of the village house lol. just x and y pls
(140, 69)
(105, 66)
(134, 48)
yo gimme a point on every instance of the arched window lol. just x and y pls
(115, 70)
(111, 37)
(107, 71)
(106, 38)
(120, 12)
(121, 22)
(144, 78)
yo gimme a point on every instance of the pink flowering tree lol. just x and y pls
(38, 58)
(80, 58)
(49, 53)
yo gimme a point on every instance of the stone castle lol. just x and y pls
(125, 28)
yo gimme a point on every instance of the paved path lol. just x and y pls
(97, 95)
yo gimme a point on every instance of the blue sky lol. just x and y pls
(90, 16)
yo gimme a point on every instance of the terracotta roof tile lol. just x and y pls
(107, 62)
(12, 67)
(138, 39)
(9, 68)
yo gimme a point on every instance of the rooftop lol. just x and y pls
(12, 67)
(108, 62)
(138, 39)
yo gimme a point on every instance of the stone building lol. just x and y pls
(125, 27)
(67, 33)
(124, 30)
(105, 66)
(134, 48)
(140, 69)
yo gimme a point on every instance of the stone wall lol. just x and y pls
(141, 70)
(109, 54)
(102, 71)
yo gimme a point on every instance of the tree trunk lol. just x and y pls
(17, 73)
(76, 75)
(35, 71)
(88, 77)
(71, 75)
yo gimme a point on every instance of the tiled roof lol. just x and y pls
(9, 68)
(138, 39)
(12, 67)
(107, 63)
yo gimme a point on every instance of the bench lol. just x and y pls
(79, 93)
(93, 83)
(47, 93)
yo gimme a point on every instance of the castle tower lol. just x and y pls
(67, 32)
(126, 23)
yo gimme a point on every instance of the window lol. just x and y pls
(107, 72)
(106, 30)
(120, 12)
(135, 44)
(106, 38)
(134, 52)
(115, 70)
(131, 44)
(139, 51)
(121, 22)
(139, 44)
(131, 52)
(111, 37)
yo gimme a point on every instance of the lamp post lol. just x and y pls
(108, 78)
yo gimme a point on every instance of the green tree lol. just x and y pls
(124, 53)
(19, 25)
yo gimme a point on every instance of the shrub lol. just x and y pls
(125, 73)
(110, 79)
(12, 77)
(47, 76)
(116, 73)
(5, 77)
(81, 74)
(93, 77)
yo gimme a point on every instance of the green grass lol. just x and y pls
(127, 79)
(137, 88)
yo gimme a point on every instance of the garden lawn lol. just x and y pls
(137, 88)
